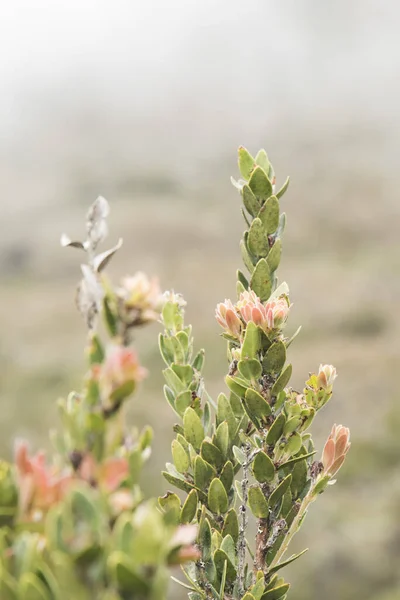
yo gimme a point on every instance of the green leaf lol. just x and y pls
(251, 342)
(183, 401)
(238, 487)
(225, 413)
(275, 358)
(177, 482)
(184, 372)
(242, 279)
(228, 546)
(212, 454)
(231, 525)
(170, 503)
(193, 428)
(239, 455)
(222, 438)
(189, 508)
(269, 215)
(286, 504)
(262, 160)
(294, 336)
(258, 241)
(321, 485)
(279, 491)
(236, 385)
(246, 162)
(169, 396)
(30, 586)
(276, 430)
(261, 280)
(283, 188)
(287, 561)
(276, 593)
(299, 478)
(291, 425)
(180, 457)
(198, 361)
(173, 381)
(263, 468)
(177, 350)
(259, 184)
(248, 596)
(250, 202)
(110, 318)
(220, 559)
(203, 473)
(250, 369)
(122, 392)
(295, 460)
(257, 404)
(247, 260)
(217, 497)
(216, 540)
(274, 255)
(258, 503)
(281, 226)
(227, 476)
(282, 380)
(204, 537)
(96, 351)
(258, 588)
(124, 576)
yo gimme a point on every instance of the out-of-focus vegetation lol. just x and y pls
(319, 89)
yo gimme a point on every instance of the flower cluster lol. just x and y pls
(120, 367)
(270, 316)
(39, 486)
(140, 298)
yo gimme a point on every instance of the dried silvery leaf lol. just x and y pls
(66, 241)
(101, 260)
(96, 224)
(238, 183)
(89, 296)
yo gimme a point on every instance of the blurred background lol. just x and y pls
(146, 103)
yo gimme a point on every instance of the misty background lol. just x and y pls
(146, 104)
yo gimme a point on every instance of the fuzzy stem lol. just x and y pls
(243, 522)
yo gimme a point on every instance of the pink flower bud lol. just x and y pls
(40, 486)
(121, 366)
(227, 317)
(108, 475)
(335, 449)
(270, 316)
(326, 376)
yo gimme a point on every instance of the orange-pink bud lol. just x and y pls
(227, 317)
(121, 366)
(108, 475)
(326, 376)
(40, 486)
(335, 449)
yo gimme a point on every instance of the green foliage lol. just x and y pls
(79, 527)
(260, 429)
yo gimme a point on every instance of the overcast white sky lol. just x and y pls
(244, 64)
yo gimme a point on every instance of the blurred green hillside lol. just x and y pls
(339, 265)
